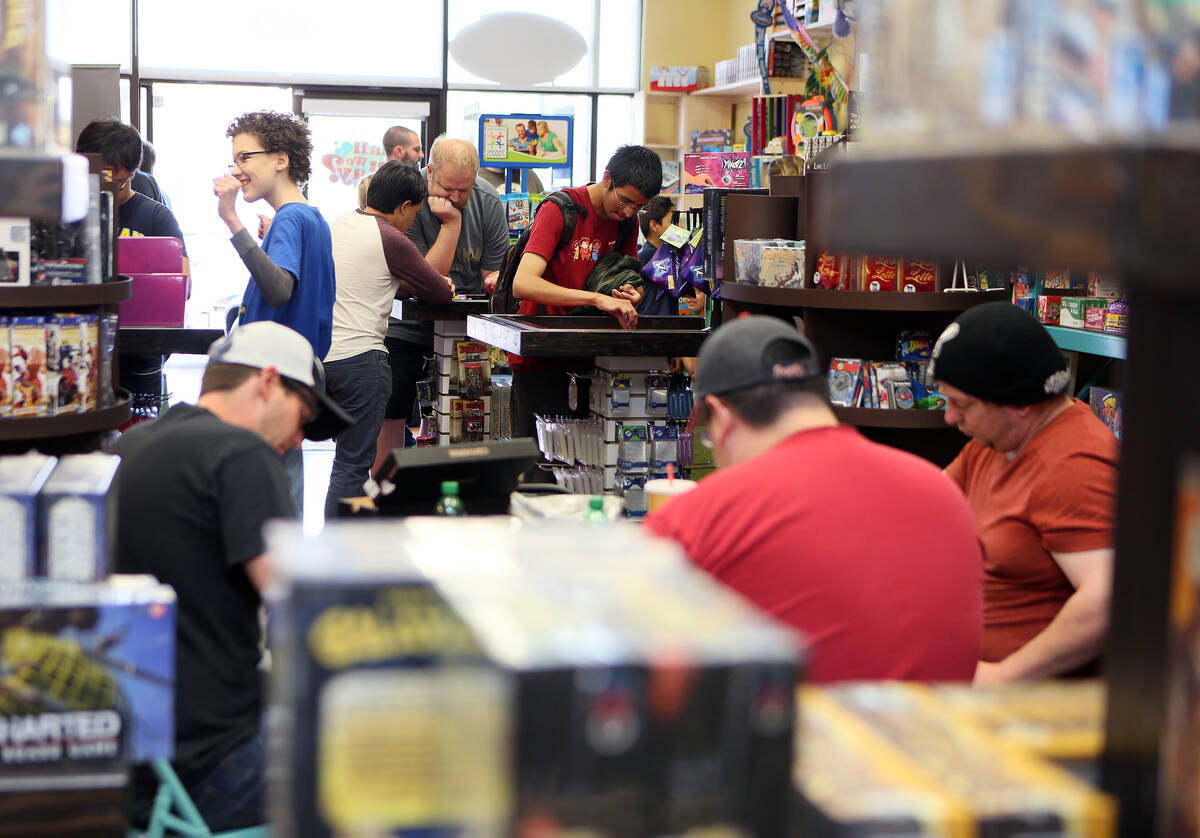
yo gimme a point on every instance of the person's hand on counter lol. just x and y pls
(632, 293)
(619, 308)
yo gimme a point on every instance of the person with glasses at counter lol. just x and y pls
(291, 274)
(550, 280)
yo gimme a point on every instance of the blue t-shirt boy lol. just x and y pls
(299, 242)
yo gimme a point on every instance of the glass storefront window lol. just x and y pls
(309, 42)
(89, 32)
(189, 138)
(346, 148)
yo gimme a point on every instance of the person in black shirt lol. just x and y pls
(120, 146)
(194, 490)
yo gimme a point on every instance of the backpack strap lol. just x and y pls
(570, 213)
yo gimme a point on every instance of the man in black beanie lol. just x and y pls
(1040, 476)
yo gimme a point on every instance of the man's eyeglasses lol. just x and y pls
(305, 395)
(638, 206)
(242, 158)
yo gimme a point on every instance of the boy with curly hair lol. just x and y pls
(291, 274)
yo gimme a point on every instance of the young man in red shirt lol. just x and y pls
(868, 550)
(550, 280)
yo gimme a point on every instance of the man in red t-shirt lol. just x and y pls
(868, 550)
(1040, 474)
(550, 280)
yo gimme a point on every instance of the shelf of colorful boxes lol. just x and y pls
(1083, 313)
(56, 368)
(469, 393)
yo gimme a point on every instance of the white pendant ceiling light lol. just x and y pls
(518, 48)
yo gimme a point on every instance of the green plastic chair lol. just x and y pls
(175, 814)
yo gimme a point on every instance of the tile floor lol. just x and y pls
(183, 373)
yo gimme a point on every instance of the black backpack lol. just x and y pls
(503, 300)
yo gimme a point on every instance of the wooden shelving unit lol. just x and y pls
(908, 419)
(67, 425)
(49, 186)
(845, 324)
(52, 296)
(1121, 208)
(828, 298)
(1093, 343)
(570, 337)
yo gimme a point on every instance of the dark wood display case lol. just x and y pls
(829, 298)
(571, 337)
(34, 185)
(414, 309)
(1126, 209)
(56, 296)
(846, 324)
(155, 340)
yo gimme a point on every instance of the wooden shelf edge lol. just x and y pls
(71, 424)
(737, 88)
(49, 296)
(829, 298)
(874, 418)
(1121, 208)
(1091, 343)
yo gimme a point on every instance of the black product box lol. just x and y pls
(514, 686)
(714, 229)
(68, 253)
(385, 723)
(722, 681)
(650, 700)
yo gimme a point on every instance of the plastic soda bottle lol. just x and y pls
(595, 514)
(451, 503)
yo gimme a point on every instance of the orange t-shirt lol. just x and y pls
(1058, 495)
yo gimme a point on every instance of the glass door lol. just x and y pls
(347, 137)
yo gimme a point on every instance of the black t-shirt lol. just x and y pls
(193, 495)
(142, 216)
(148, 186)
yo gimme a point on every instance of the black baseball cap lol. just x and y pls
(753, 350)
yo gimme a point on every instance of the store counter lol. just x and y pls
(152, 340)
(632, 399)
(414, 309)
(548, 337)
